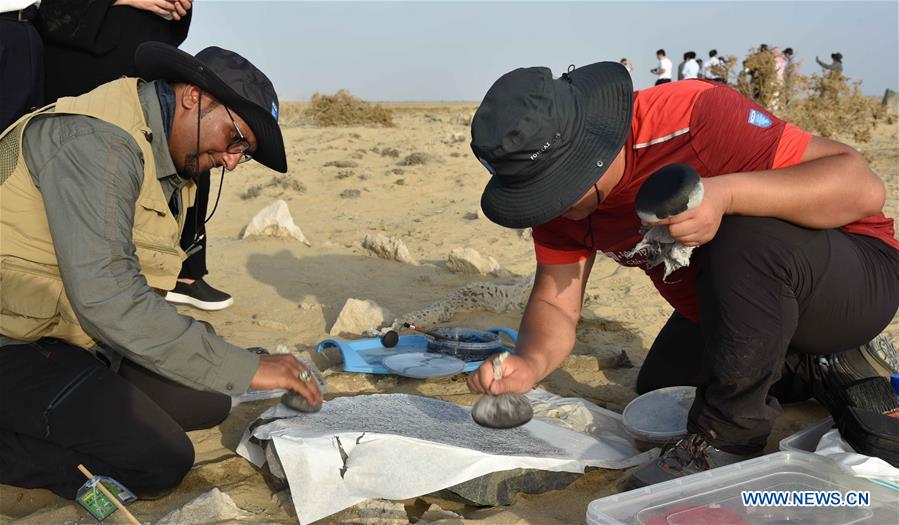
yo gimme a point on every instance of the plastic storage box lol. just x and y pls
(714, 496)
(806, 440)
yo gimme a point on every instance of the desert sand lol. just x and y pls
(287, 293)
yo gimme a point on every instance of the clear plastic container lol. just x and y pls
(660, 416)
(714, 496)
(806, 440)
(466, 344)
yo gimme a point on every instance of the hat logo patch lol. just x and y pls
(274, 110)
(546, 146)
(488, 166)
(759, 119)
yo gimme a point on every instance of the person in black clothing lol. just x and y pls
(21, 61)
(89, 43)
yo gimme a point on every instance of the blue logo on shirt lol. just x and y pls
(274, 110)
(759, 119)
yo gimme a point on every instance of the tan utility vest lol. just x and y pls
(34, 303)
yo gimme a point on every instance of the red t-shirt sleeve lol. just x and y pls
(554, 244)
(731, 134)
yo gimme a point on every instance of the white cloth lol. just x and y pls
(833, 446)
(691, 69)
(665, 68)
(16, 5)
(707, 68)
(330, 469)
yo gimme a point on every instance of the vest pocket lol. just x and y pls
(29, 292)
(29, 303)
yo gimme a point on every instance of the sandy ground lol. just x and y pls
(290, 294)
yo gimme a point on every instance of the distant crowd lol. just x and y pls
(716, 67)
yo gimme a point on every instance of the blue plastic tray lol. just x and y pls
(367, 355)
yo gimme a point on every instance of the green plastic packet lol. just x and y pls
(94, 501)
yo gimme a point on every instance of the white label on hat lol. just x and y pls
(274, 110)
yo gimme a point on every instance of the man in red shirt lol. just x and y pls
(796, 266)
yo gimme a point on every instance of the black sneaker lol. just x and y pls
(199, 295)
(690, 455)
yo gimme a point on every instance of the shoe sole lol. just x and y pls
(209, 306)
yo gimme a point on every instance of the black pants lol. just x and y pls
(193, 237)
(59, 406)
(772, 295)
(21, 69)
(661, 81)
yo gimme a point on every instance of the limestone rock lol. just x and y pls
(274, 221)
(437, 515)
(374, 512)
(212, 507)
(357, 316)
(468, 260)
(389, 248)
(475, 297)
(499, 488)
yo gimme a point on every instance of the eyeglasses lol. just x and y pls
(240, 144)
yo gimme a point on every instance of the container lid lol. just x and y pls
(423, 365)
(660, 416)
(715, 496)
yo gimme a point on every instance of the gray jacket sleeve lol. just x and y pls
(89, 174)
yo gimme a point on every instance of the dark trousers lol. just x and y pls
(21, 70)
(193, 237)
(661, 81)
(772, 295)
(60, 406)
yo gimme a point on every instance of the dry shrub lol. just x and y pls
(343, 109)
(415, 159)
(758, 79)
(827, 103)
(835, 107)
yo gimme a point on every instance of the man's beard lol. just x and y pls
(191, 166)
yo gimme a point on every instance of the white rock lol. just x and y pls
(212, 507)
(388, 248)
(357, 316)
(274, 221)
(468, 260)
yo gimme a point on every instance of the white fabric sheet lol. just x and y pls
(333, 463)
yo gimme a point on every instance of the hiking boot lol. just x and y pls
(690, 455)
(199, 295)
(833, 373)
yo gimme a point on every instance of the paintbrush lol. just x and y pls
(873, 394)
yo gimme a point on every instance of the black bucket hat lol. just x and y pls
(232, 80)
(547, 141)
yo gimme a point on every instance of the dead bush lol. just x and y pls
(343, 109)
(827, 103)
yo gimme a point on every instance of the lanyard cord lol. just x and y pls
(589, 219)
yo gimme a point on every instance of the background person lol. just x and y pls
(663, 70)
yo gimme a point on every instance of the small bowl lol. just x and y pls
(659, 416)
(466, 344)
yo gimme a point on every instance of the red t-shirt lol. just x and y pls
(709, 126)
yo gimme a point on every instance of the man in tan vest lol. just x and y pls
(95, 366)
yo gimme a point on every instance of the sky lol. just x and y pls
(454, 51)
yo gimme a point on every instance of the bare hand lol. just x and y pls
(699, 225)
(283, 371)
(518, 376)
(174, 9)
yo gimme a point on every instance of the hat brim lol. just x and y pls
(606, 94)
(159, 61)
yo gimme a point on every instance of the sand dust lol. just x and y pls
(288, 293)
